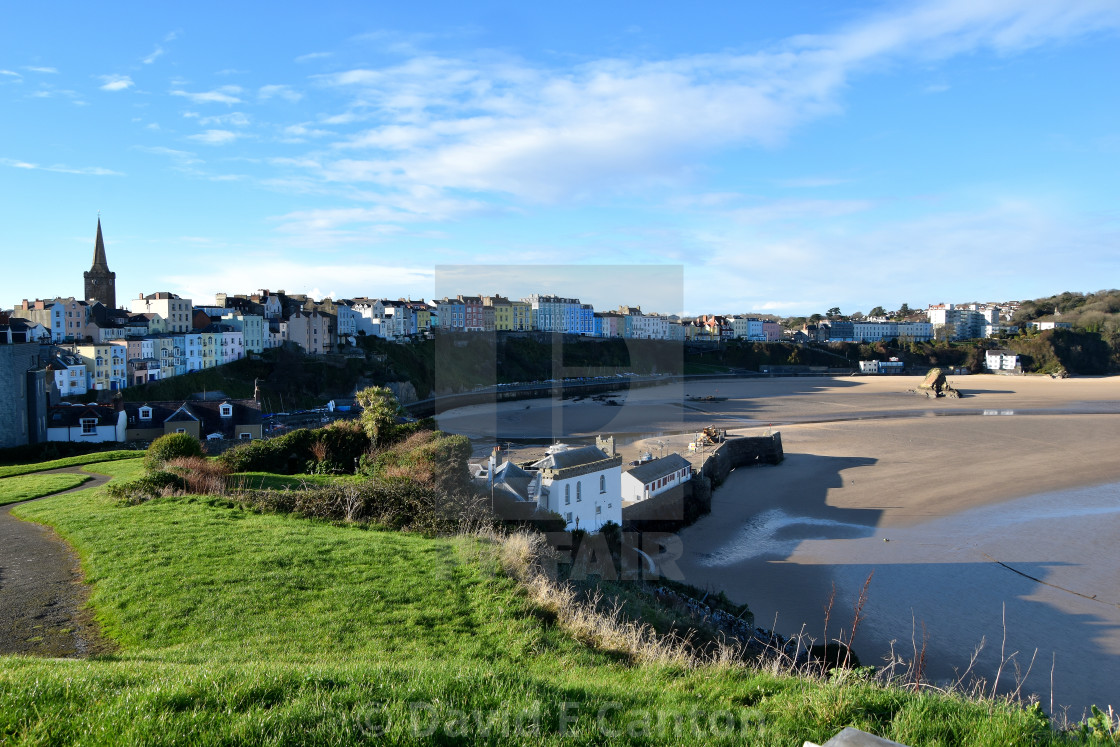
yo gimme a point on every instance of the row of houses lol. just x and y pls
(122, 422)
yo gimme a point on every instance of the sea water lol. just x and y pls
(1032, 585)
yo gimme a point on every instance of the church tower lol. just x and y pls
(101, 285)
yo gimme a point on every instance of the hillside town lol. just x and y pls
(69, 348)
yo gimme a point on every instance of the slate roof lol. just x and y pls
(658, 468)
(71, 416)
(513, 479)
(571, 458)
(245, 412)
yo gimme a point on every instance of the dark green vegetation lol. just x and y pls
(243, 627)
(26, 487)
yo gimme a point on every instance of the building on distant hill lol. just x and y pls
(101, 284)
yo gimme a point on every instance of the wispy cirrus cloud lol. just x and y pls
(182, 156)
(500, 125)
(215, 137)
(279, 91)
(115, 82)
(45, 70)
(313, 56)
(220, 95)
(155, 55)
(59, 168)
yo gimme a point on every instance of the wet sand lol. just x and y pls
(928, 494)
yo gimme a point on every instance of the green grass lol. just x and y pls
(242, 628)
(26, 487)
(98, 456)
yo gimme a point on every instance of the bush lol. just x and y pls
(432, 459)
(152, 485)
(199, 475)
(394, 503)
(335, 448)
(171, 446)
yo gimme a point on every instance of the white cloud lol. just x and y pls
(347, 278)
(277, 91)
(11, 73)
(313, 56)
(183, 156)
(60, 168)
(841, 267)
(48, 70)
(498, 125)
(221, 95)
(215, 137)
(235, 119)
(155, 55)
(115, 82)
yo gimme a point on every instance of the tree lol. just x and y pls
(834, 312)
(380, 409)
(904, 310)
(877, 311)
(171, 446)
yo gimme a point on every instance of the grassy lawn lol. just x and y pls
(241, 628)
(26, 487)
(99, 456)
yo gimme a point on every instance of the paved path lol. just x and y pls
(42, 597)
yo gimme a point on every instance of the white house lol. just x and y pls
(655, 477)
(582, 484)
(1001, 360)
(88, 423)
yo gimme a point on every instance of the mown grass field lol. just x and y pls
(242, 628)
(75, 461)
(26, 487)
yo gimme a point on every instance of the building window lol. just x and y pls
(568, 517)
(245, 436)
(602, 484)
(89, 426)
(598, 510)
(579, 492)
(567, 494)
(567, 501)
(180, 430)
(226, 411)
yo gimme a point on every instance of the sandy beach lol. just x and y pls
(928, 494)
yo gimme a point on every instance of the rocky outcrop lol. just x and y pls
(935, 385)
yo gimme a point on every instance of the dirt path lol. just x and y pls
(42, 598)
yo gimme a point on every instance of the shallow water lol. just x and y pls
(1037, 576)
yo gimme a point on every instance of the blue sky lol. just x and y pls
(790, 156)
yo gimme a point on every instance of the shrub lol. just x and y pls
(429, 458)
(152, 485)
(199, 475)
(394, 503)
(335, 448)
(171, 446)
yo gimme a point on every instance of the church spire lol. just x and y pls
(99, 261)
(101, 284)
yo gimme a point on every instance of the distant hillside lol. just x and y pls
(1092, 312)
